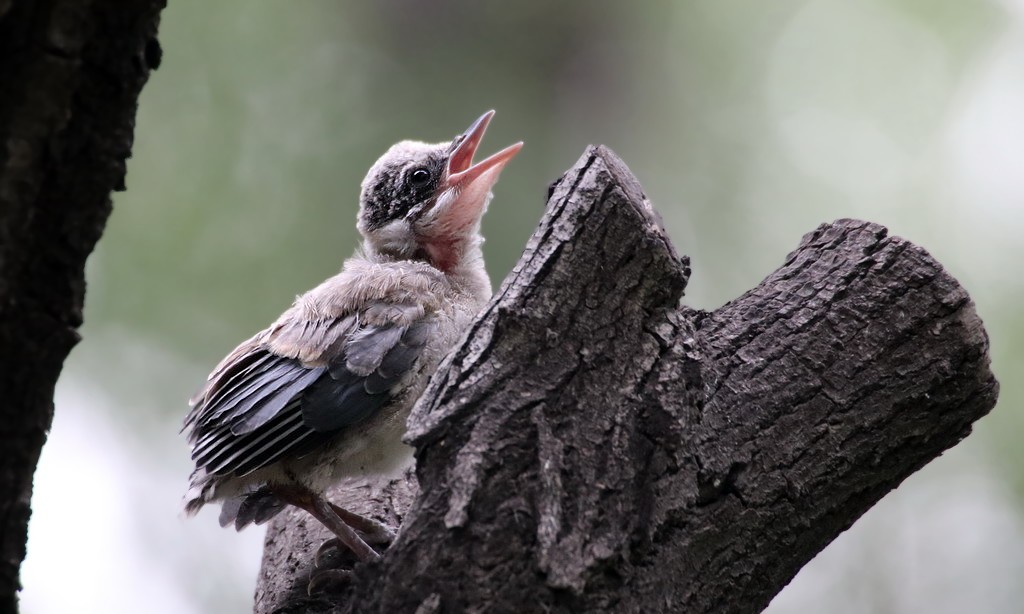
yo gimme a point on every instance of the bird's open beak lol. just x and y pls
(461, 170)
(462, 196)
(468, 183)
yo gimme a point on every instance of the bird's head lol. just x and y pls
(425, 201)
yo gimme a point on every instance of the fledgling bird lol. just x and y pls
(324, 392)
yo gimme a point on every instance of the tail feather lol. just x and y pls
(200, 492)
(254, 507)
(257, 508)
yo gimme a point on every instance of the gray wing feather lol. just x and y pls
(368, 346)
(311, 341)
(403, 355)
(256, 415)
(263, 402)
(226, 380)
(362, 380)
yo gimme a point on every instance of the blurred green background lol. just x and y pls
(749, 123)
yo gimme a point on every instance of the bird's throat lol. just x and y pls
(450, 255)
(445, 254)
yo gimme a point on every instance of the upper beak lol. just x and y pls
(461, 170)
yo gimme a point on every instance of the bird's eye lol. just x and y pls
(419, 177)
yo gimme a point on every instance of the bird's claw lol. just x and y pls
(328, 581)
(333, 554)
(333, 561)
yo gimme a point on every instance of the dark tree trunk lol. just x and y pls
(594, 445)
(70, 76)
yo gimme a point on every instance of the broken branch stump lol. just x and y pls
(594, 445)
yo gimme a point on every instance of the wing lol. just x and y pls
(297, 384)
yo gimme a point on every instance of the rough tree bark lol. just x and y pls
(594, 445)
(70, 76)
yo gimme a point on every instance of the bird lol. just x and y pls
(324, 392)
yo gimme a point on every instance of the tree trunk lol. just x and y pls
(594, 445)
(70, 76)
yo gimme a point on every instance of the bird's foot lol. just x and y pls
(334, 561)
(334, 554)
(332, 568)
(328, 581)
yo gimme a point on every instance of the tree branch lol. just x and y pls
(70, 76)
(594, 446)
